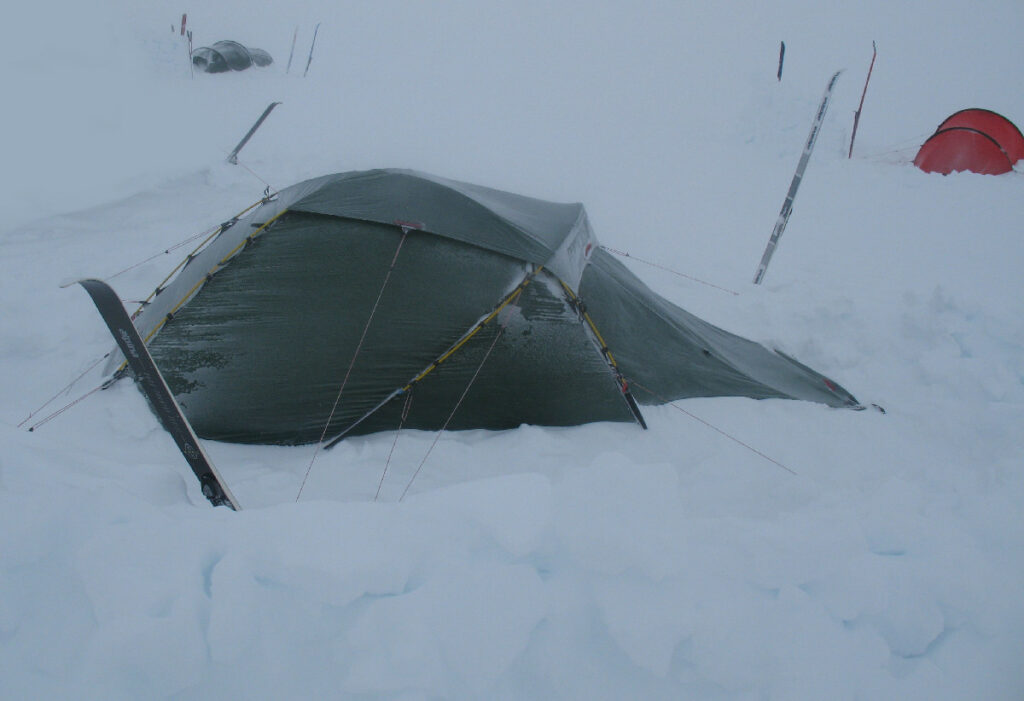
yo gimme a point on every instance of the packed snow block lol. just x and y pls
(224, 56)
(370, 276)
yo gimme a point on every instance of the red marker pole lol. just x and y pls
(856, 115)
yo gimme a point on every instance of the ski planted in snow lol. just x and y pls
(787, 205)
(312, 45)
(157, 392)
(860, 107)
(233, 156)
(295, 35)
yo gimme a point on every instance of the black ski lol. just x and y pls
(295, 35)
(155, 388)
(311, 46)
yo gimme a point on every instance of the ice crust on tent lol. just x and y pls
(256, 332)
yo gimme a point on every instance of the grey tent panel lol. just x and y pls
(257, 333)
(679, 355)
(517, 226)
(260, 57)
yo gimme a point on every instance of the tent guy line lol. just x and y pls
(625, 254)
(440, 432)
(387, 463)
(359, 346)
(710, 425)
(439, 360)
(66, 388)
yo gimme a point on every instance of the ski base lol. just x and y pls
(155, 388)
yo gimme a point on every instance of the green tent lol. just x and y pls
(420, 296)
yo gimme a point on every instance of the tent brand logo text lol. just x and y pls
(126, 339)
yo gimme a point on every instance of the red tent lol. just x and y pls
(977, 140)
(992, 123)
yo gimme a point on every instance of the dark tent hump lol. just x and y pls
(431, 303)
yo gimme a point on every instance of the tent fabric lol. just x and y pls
(226, 55)
(522, 227)
(976, 140)
(962, 149)
(1001, 129)
(257, 331)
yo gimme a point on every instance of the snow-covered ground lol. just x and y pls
(599, 561)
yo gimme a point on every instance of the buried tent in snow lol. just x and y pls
(365, 279)
(975, 140)
(226, 56)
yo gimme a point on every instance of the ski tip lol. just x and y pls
(72, 281)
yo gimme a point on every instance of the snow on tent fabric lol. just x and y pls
(224, 56)
(256, 333)
(975, 140)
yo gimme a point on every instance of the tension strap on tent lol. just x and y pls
(514, 294)
(580, 308)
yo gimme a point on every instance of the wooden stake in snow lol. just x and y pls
(856, 115)
(782, 56)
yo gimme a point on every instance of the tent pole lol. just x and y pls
(577, 305)
(511, 297)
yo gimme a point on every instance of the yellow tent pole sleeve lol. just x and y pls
(593, 327)
(223, 261)
(511, 297)
(195, 250)
(634, 408)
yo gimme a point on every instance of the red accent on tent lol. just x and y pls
(960, 148)
(992, 123)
